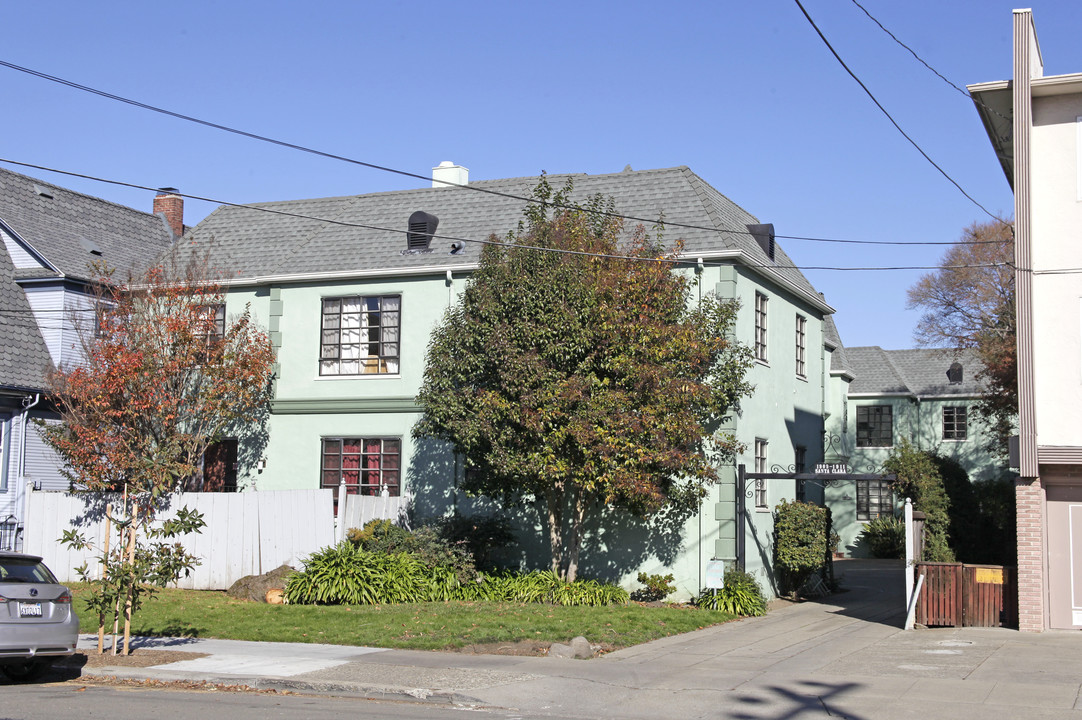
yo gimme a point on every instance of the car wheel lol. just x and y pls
(29, 670)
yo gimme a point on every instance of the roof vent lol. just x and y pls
(954, 373)
(90, 246)
(764, 237)
(458, 247)
(422, 226)
(43, 191)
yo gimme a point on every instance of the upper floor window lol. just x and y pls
(955, 422)
(875, 426)
(760, 326)
(367, 466)
(801, 345)
(360, 335)
(211, 327)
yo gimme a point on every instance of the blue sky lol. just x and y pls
(744, 93)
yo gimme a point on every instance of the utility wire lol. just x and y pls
(674, 261)
(889, 117)
(426, 178)
(453, 238)
(921, 60)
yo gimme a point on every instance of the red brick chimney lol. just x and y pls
(170, 205)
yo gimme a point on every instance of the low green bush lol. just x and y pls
(885, 537)
(655, 587)
(347, 574)
(481, 535)
(381, 536)
(740, 594)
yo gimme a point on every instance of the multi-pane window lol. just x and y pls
(760, 326)
(955, 423)
(801, 345)
(368, 466)
(873, 499)
(761, 502)
(211, 327)
(875, 426)
(360, 335)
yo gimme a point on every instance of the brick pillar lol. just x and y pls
(1029, 496)
(168, 203)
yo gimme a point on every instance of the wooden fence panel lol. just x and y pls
(989, 592)
(362, 509)
(940, 602)
(246, 533)
(957, 595)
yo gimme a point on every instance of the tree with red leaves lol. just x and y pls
(163, 375)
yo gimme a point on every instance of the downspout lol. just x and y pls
(699, 267)
(20, 488)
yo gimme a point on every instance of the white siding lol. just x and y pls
(42, 464)
(18, 253)
(57, 310)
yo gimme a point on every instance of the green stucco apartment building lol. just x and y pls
(350, 298)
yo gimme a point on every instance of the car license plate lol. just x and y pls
(30, 609)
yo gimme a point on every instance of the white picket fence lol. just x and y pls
(246, 533)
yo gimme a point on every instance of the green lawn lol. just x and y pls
(422, 626)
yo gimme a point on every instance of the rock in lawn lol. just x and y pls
(255, 588)
(580, 649)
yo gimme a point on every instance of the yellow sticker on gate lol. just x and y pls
(993, 576)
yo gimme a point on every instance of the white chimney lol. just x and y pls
(449, 174)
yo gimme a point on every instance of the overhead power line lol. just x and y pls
(890, 117)
(965, 93)
(454, 238)
(684, 261)
(426, 178)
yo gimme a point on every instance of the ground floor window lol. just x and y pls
(873, 499)
(368, 466)
(761, 500)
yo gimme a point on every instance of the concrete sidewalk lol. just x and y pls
(842, 657)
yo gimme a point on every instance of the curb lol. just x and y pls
(338, 689)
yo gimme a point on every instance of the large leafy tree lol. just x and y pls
(580, 379)
(969, 303)
(164, 374)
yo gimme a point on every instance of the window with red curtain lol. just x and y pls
(368, 466)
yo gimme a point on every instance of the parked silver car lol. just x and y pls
(37, 623)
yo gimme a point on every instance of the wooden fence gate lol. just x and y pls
(958, 595)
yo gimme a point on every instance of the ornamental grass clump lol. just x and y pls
(346, 574)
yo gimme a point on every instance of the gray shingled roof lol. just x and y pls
(58, 227)
(24, 359)
(839, 358)
(62, 226)
(920, 372)
(255, 243)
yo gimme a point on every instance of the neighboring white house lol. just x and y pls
(1035, 125)
(50, 236)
